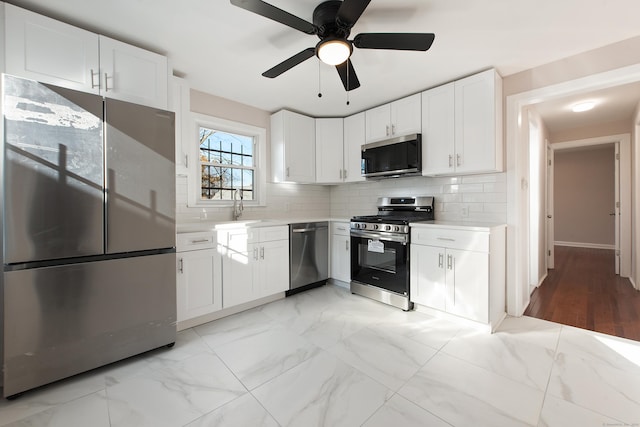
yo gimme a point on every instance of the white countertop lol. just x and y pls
(202, 226)
(459, 225)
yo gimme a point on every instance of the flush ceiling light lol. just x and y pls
(333, 51)
(583, 106)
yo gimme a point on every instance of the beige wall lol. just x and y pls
(282, 201)
(605, 129)
(584, 195)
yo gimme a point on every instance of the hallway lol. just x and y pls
(583, 291)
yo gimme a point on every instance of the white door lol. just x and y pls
(354, 130)
(274, 267)
(198, 283)
(377, 121)
(468, 284)
(427, 276)
(51, 51)
(238, 275)
(132, 74)
(616, 208)
(549, 220)
(329, 149)
(406, 116)
(340, 257)
(438, 130)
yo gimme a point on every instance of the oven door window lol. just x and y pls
(379, 263)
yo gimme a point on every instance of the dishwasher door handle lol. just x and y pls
(307, 230)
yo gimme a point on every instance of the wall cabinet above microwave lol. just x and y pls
(462, 126)
(50, 51)
(398, 118)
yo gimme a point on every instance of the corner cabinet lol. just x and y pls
(255, 263)
(50, 51)
(199, 278)
(460, 270)
(401, 117)
(329, 150)
(293, 150)
(462, 126)
(354, 138)
(338, 149)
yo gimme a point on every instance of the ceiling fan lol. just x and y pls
(332, 23)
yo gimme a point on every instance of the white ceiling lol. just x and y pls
(222, 49)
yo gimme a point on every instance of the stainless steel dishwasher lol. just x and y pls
(309, 255)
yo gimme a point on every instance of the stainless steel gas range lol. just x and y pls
(380, 249)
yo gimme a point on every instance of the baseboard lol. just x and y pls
(584, 245)
(633, 283)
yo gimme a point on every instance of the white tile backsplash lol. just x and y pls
(483, 196)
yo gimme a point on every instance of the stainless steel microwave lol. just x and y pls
(393, 157)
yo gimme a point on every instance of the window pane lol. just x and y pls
(228, 149)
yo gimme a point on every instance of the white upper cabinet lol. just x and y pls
(293, 151)
(354, 138)
(401, 117)
(462, 126)
(329, 150)
(51, 51)
(132, 74)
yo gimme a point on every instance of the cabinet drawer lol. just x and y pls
(477, 241)
(340, 228)
(269, 234)
(195, 241)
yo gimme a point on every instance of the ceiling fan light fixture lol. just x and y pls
(334, 51)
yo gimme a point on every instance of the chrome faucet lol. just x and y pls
(237, 207)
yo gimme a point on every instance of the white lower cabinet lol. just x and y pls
(199, 280)
(255, 263)
(340, 252)
(459, 271)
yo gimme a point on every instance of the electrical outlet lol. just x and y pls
(464, 211)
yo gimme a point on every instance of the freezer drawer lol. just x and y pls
(68, 319)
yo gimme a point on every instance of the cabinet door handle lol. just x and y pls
(458, 160)
(181, 265)
(344, 174)
(340, 173)
(262, 252)
(446, 239)
(200, 241)
(440, 260)
(93, 85)
(106, 84)
(387, 130)
(287, 171)
(393, 129)
(255, 254)
(450, 262)
(450, 160)
(341, 228)
(346, 244)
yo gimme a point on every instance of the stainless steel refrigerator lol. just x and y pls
(88, 232)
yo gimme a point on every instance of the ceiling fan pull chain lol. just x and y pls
(348, 87)
(319, 86)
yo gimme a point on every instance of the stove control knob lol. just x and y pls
(396, 228)
(387, 228)
(376, 226)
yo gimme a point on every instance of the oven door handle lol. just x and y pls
(380, 236)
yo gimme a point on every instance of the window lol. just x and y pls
(227, 165)
(230, 157)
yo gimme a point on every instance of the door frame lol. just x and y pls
(517, 171)
(622, 144)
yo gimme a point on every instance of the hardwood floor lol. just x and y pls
(584, 291)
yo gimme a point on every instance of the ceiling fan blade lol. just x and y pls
(350, 11)
(348, 75)
(288, 64)
(397, 41)
(278, 15)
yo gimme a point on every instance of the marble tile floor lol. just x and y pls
(329, 358)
